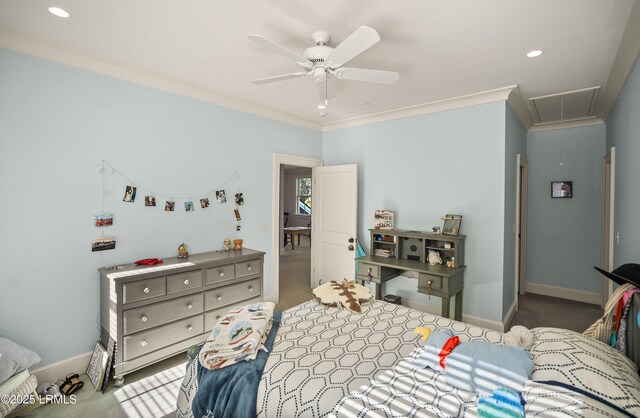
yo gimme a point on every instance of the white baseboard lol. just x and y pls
(58, 371)
(469, 319)
(563, 293)
(509, 316)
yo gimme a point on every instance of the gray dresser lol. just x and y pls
(155, 312)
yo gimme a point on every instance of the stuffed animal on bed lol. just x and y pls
(476, 366)
(348, 294)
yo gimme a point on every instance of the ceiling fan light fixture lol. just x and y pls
(57, 11)
(534, 53)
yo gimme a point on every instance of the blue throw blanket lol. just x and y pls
(232, 391)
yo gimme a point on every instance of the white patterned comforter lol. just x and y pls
(331, 362)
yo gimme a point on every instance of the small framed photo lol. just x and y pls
(98, 366)
(562, 189)
(452, 225)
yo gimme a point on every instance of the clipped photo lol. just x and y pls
(129, 194)
(169, 206)
(101, 220)
(239, 199)
(149, 201)
(102, 243)
(220, 196)
(188, 206)
(204, 203)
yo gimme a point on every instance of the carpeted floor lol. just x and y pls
(546, 311)
(295, 275)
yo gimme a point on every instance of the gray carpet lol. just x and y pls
(546, 311)
(295, 275)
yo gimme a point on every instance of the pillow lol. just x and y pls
(348, 294)
(571, 360)
(14, 358)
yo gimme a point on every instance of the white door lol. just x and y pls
(334, 225)
(607, 222)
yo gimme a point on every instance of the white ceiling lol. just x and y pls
(442, 49)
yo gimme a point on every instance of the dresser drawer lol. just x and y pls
(143, 289)
(184, 281)
(424, 280)
(228, 295)
(159, 337)
(220, 274)
(247, 268)
(150, 316)
(211, 317)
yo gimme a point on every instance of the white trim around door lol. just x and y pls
(276, 214)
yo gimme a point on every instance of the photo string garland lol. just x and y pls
(106, 219)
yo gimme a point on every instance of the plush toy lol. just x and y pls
(519, 336)
(502, 403)
(348, 294)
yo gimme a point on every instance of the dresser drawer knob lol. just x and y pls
(222, 274)
(144, 318)
(146, 290)
(189, 306)
(249, 267)
(250, 288)
(219, 298)
(189, 328)
(143, 343)
(186, 282)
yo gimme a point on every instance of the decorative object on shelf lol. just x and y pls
(451, 225)
(183, 251)
(103, 243)
(239, 199)
(149, 201)
(148, 262)
(204, 203)
(448, 245)
(98, 366)
(169, 206)
(434, 258)
(435, 229)
(188, 206)
(227, 244)
(237, 244)
(221, 197)
(105, 219)
(451, 263)
(562, 189)
(383, 219)
(129, 194)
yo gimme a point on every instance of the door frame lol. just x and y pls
(521, 227)
(276, 214)
(608, 212)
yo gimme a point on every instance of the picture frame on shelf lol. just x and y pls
(561, 189)
(452, 225)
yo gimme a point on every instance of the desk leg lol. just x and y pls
(446, 305)
(298, 240)
(293, 247)
(458, 314)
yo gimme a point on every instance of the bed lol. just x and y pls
(334, 362)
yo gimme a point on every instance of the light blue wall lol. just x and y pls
(515, 143)
(564, 236)
(57, 124)
(623, 132)
(425, 166)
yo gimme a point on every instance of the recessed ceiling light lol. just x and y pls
(321, 106)
(534, 53)
(58, 12)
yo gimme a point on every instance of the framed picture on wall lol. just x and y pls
(561, 189)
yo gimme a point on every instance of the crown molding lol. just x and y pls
(567, 124)
(489, 96)
(517, 103)
(18, 42)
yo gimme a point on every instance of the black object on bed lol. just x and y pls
(232, 391)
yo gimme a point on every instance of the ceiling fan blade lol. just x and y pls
(259, 39)
(369, 76)
(278, 78)
(360, 40)
(325, 89)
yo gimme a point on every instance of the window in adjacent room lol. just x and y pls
(303, 196)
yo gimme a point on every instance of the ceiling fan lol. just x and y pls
(324, 62)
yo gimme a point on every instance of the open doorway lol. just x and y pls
(292, 230)
(607, 222)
